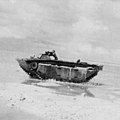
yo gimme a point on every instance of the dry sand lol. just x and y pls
(45, 104)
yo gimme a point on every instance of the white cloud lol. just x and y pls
(6, 32)
(87, 27)
(22, 17)
(12, 1)
(101, 51)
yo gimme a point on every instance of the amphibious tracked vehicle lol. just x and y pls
(44, 68)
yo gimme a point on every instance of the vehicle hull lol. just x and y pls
(59, 70)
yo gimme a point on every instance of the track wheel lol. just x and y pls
(34, 65)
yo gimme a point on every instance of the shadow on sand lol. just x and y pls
(61, 88)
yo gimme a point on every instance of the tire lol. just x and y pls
(34, 65)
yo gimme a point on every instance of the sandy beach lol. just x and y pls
(76, 29)
(45, 104)
(25, 99)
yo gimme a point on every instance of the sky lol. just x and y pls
(86, 29)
